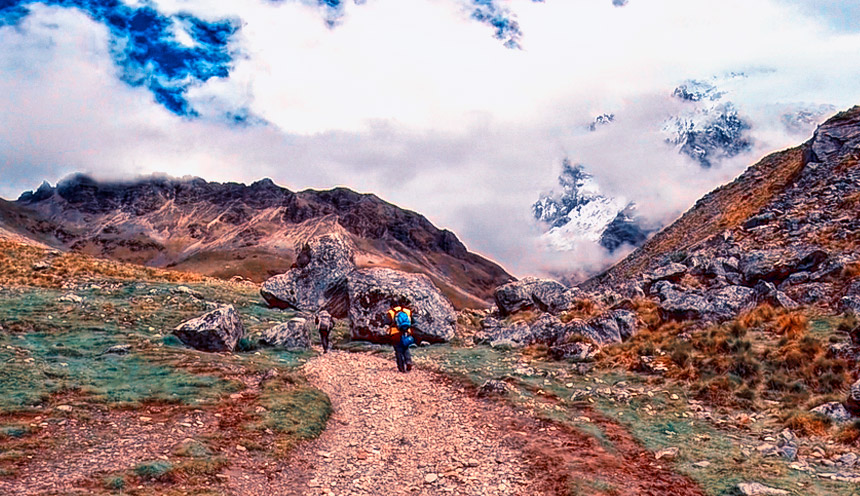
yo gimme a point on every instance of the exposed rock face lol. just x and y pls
(783, 227)
(529, 293)
(218, 330)
(372, 292)
(611, 327)
(289, 335)
(247, 230)
(319, 278)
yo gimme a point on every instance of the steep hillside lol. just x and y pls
(234, 229)
(790, 204)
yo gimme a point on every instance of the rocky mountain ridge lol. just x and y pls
(233, 229)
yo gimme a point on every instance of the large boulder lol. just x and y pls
(669, 272)
(529, 293)
(291, 335)
(834, 410)
(372, 292)
(726, 303)
(777, 265)
(547, 329)
(678, 304)
(218, 330)
(614, 326)
(319, 278)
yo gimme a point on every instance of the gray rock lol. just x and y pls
(614, 326)
(676, 304)
(810, 293)
(119, 349)
(319, 279)
(218, 330)
(292, 334)
(372, 292)
(851, 301)
(493, 387)
(766, 292)
(40, 266)
(577, 352)
(835, 410)
(671, 272)
(758, 489)
(529, 293)
(547, 329)
(729, 301)
(794, 280)
(853, 401)
(777, 265)
(71, 298)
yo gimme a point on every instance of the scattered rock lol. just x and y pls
(668, 453)
(372, 292)
(64, 408)
(292, 334)
(119, 349)
(671, 272)
(757, 489)
(493, 387)
(766, 292)
(578, 352)
(431, 478)
(71, 298)
(676, 304)
(853, 401)
(218, 330)
(39, 266)
(834, 410)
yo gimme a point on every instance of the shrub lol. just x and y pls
(806, 423)
(114, 482)
(792, 325)
(154, 470)
(849, 434)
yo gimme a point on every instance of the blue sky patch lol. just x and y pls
(146, 50)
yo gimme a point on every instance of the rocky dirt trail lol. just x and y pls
(421, 434)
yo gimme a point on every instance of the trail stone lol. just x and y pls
(758, 489)
(292, 334)
(578, 352)
(218, 330)
(668, 453)
(372, 292)
(493, 387)
(71, 298)
(318, 279)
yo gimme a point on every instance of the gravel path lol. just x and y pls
(413, 433)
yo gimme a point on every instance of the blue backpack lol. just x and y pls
(402, 321)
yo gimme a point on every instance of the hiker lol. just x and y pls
(399, 320)
(324, 325)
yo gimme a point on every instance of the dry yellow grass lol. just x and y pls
(18, 266)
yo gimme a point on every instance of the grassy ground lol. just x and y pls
(658, 413)
(54, 369)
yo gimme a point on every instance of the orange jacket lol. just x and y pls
(393, 330)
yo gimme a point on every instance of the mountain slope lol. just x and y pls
(792, 202)
(233, 229)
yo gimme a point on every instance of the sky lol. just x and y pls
(462, 110)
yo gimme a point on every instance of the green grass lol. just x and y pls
(297, 410)
(656, 421)
(48, 346)
(154, 470)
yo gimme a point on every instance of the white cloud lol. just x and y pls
(415, 102)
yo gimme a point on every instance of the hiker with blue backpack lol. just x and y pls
(399, 320)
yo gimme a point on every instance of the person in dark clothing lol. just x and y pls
(324, 325)
(399, 320)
